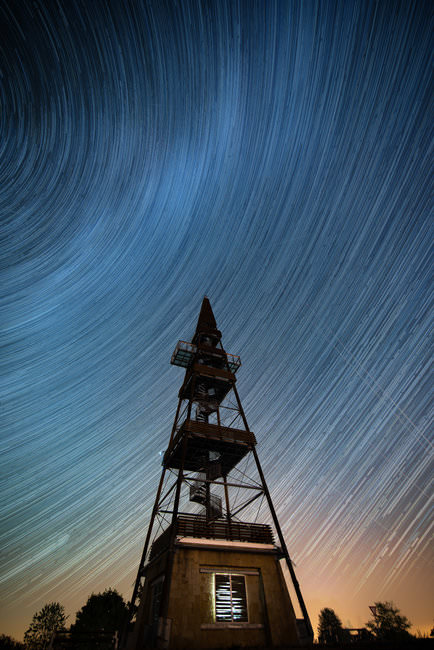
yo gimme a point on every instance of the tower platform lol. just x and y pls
(217, 380)
(196, 527)
(229, 446)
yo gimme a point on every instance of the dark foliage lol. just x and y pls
(97, 622)
(8, 643)
(388, 624)
(43, 626)
(329, 627)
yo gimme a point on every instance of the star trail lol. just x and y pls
(276, 157)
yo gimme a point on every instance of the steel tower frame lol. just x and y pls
(201, 454)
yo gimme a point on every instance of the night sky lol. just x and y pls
(274, 156)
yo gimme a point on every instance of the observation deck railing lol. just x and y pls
(185, 352)
(220, 529)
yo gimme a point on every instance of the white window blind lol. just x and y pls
(230, 598)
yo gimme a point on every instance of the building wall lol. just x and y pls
(271, 618)
(142, 628)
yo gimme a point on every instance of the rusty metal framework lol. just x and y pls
(210, 468)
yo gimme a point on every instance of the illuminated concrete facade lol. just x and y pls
(191, 621)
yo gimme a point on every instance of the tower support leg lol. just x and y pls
(123, 640)
(164, 625)
(283, 546)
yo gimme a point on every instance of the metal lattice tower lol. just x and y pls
(211, 472)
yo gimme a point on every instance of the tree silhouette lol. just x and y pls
(8, 643)
(98, 620)
(329, 627)
(387, 623)
(44, 623)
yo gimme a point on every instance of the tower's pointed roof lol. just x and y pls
(206, 316)
(206, 323)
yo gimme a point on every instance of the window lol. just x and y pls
(156, 592)
(230, 598)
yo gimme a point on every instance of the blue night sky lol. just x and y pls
(276, 157)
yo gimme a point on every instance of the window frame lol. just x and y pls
(230, 575)
(156, 588)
